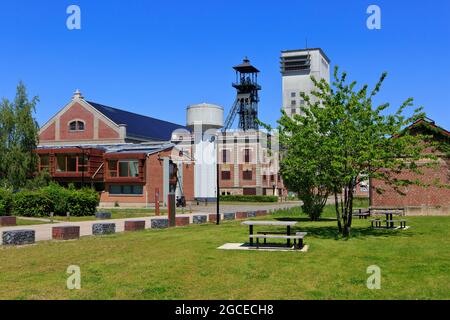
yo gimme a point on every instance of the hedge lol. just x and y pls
(59, 197)
(6, 202)
(53, 198)
(82, 202)
(248, 198)
(31, 204)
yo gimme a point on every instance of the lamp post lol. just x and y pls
(218, 193)
(216, 154)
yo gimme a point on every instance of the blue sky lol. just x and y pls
(157, 57)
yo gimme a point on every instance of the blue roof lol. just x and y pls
(139, 126)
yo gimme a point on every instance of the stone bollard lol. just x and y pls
(212, 217)
(103, 215)
(251, 214)
(229, 216)
(241, 215)
(18, 237)
(65, 232)
(198, 219)
(181, 221)
(159, 223)
(103, 228)
(134, 225)
(260, 213)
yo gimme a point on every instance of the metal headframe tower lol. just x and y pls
(246, 103)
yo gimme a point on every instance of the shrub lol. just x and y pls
(6, 202)
(59, 197)
(248, 198)
(82, 202)
(31, 204)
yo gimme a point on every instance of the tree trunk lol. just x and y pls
(338, 215)
(348, 209)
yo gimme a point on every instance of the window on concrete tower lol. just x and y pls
(292, 94)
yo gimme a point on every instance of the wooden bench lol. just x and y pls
(297, 237)
(361, 214)
(377, 223)
(402, 222)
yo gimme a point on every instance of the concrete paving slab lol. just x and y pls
(245, 246)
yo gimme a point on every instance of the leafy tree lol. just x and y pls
(18, 139)
(339, 138)
(303, 165)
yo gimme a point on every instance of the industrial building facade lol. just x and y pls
(132, 160)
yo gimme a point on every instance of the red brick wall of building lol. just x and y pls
(229, 183)
(76, 111)
(247, 183)
(416, 196)
(106, 132)
(48, 134)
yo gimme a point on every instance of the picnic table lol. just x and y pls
(266, 234)
(361, 213)
(390, 221)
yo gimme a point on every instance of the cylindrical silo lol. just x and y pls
(205, 120)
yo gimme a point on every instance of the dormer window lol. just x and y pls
(76, 126)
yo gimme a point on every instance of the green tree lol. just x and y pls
(341, 137)
(18, 139)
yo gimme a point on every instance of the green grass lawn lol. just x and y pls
(122, 213)
(115, 214)
(26, 222)
(184, 263)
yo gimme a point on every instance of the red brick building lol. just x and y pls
(127, 156)
(419, 200)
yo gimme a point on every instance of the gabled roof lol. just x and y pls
(139, 126)
(429, 123)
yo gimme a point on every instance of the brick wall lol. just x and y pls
(95, 129)
(416, 196)
(48, 134)
(76, 111)
(106, 132)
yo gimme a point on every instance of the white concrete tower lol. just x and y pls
(204, 120)
(297, 67)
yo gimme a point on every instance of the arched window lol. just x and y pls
(76, 125)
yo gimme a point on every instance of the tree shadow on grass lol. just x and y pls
(304, 219)
(331, 232)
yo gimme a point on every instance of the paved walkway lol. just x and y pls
(44, 231)
(224, 207)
